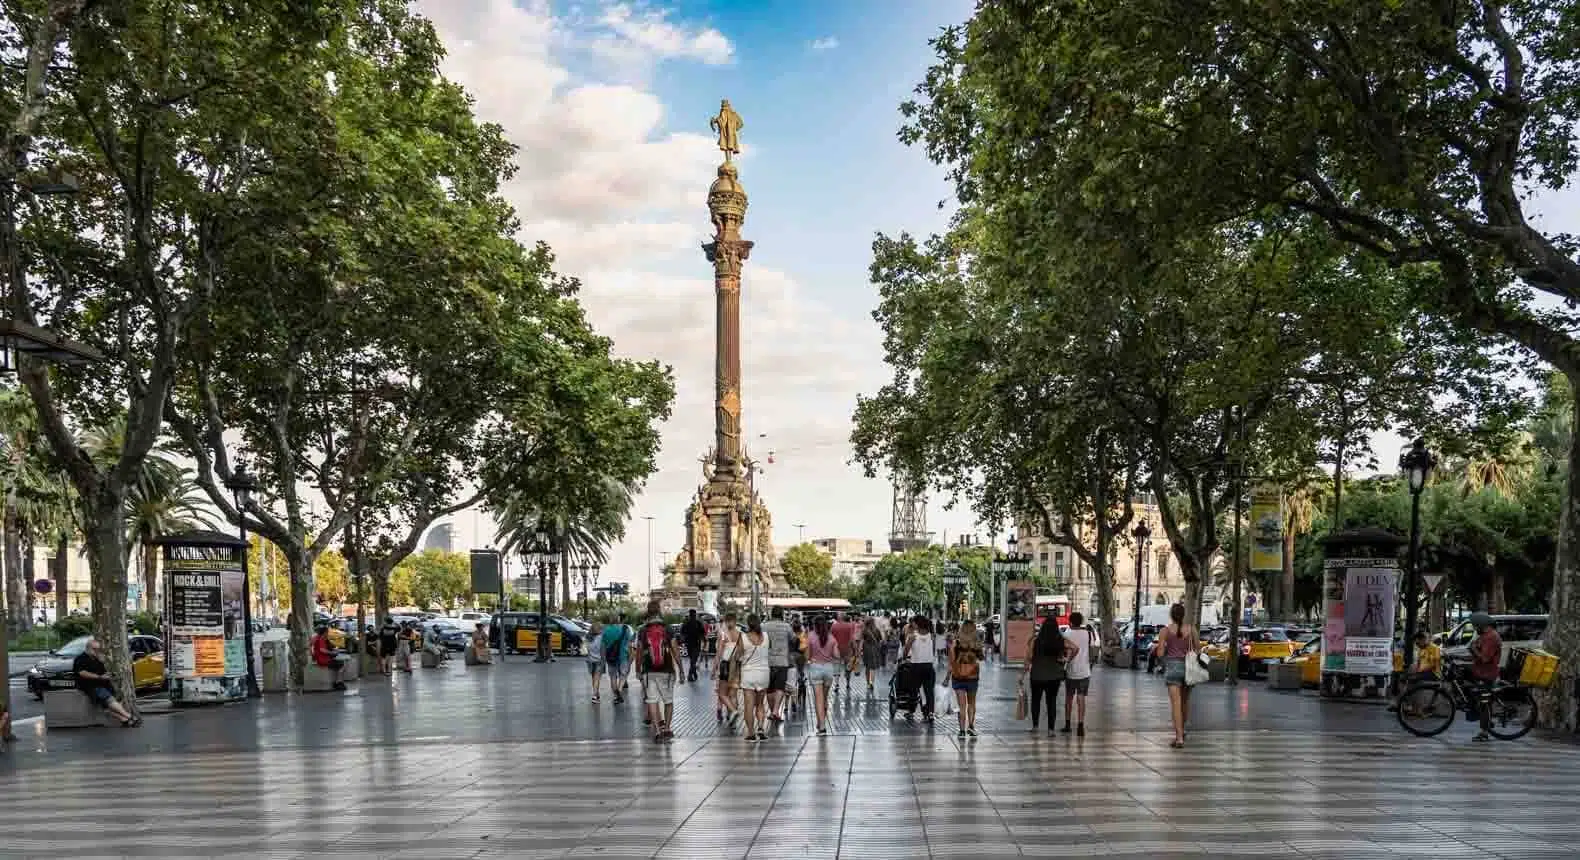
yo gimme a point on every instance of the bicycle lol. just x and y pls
(1435, 704)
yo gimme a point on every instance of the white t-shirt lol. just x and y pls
(922, 650)
(1080, 666)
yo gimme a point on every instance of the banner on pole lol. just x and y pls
(1432, 580)
(1267, 527)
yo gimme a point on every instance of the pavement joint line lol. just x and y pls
(768, 813)
(844, 804)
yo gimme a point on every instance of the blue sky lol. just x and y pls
(609, 102)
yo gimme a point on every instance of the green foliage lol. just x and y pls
(72, 626)
(144, 622)
(431, 578)
(811, 570)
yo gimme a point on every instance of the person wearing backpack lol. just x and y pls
(617, 656)
(658, 665)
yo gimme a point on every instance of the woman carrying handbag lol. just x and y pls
(1177, 647)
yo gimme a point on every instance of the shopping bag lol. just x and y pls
(1020, 701)
(1195, 668)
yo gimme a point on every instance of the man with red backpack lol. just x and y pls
(657, 662)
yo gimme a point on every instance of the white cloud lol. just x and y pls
(635, 32)
(620, 196)
(825, 43)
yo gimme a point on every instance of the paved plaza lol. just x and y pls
(512, 761)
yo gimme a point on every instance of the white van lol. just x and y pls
(1517, 631)
(472, 618)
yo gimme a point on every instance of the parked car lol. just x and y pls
(1259, 647)
(452, 637)
(520, 630)
(54, 672)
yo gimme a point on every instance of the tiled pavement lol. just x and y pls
(515, 763)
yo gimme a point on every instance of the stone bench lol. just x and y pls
(430, 660)
(1283, 676)
(353, 668)
(70, 709)
(317, 679)
(472, 660)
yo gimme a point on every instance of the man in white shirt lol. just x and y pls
(1077, 673)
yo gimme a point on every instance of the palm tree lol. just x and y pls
(1302, 500)
(37, 504)
(1501, 471)
(164, 500)
(586, 533)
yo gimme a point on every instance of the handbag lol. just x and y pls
(1020, 701)
(1195, 668)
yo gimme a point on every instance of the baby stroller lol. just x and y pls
(903, 698)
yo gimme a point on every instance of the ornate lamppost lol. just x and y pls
(1143, 535)
(1417, 464)
(544, 555)
(242, 485)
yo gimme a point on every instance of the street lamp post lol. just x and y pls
(544, 554)
(1143, 535)
(649, 554)
(242, 485)
(1417, 464)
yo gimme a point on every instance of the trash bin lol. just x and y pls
(275, 667)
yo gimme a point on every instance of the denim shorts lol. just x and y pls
(594, 666)
(964, 685)
(821, 673)
(101, 696)
(1174, 671)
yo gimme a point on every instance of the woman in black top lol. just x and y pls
(1045, 667)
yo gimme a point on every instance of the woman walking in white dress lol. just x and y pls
(751, 656)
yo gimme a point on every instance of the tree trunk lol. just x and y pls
(150, 576)
(300, 622)
(107, 562)
(380, 575)
(61, 574)
(1286, 584)
(1498, 601)
(1338, 489)
(15, 572)
(1563, 630)
(565, 582)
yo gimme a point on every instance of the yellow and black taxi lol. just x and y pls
(1259, 647)
(54, 672)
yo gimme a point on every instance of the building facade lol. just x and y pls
(853, 558)
(1161, 581)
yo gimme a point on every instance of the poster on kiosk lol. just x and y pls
(206, 617)
(1020, 620)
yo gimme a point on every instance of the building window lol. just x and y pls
(869, 547)
(1043, 557)
(1058, 566)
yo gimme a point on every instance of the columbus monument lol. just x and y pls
(728, 548)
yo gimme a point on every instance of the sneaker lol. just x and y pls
(658, 737)
(595, 698)
(1482, 736)
(971, 730)
(1065, 730)
(752, 739)
(961, 733)
(1080, 730)
(762, 736)
(822, 732)
(647, 721)
(718, 714)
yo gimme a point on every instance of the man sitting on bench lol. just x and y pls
(325, 656)
(95, 683)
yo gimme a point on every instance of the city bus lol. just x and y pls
(1055, 606)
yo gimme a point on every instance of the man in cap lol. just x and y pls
(1486, 661)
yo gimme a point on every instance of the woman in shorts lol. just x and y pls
(1174, 645)
(729, 639)
(823, 665)
(751, 666)
(965, 665)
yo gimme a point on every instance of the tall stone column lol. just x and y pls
(727, 251)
